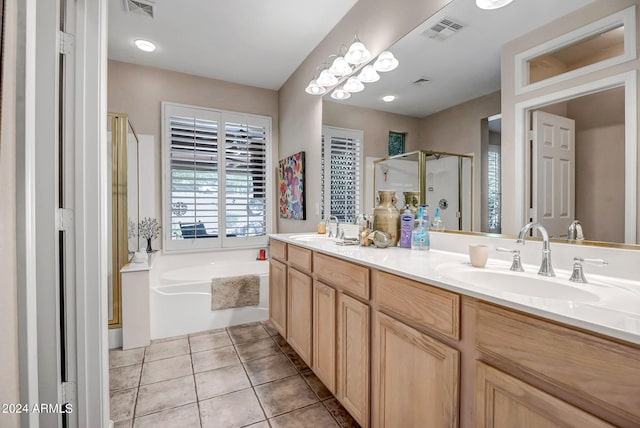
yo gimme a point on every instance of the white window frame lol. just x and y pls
(222, 241)
(626, 17)
(328, 131)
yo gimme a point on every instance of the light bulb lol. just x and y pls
(340, 94)
(388, 98)
(385, 62)
(314, 89)
(368, 74)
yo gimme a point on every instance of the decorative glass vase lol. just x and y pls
(149, 249)
(386, 216)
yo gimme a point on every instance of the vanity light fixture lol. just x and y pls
(492, 4)
(342, 68)
(145, 45)
(388, 98)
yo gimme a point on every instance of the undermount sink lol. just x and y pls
(520, 283)
(312, 238)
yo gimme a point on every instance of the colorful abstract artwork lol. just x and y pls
(291, 183)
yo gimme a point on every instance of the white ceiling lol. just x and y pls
(251, 42)
(462, 67)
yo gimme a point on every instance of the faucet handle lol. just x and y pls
(516, 265)
(577, 274)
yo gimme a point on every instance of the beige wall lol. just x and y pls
(139, 90)
(458, 130)
(379, 25)
(600, 163)
(580, 18)
(9, 391)
(375, 124)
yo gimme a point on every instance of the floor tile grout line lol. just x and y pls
(195, 385)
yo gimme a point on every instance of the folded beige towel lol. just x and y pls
(235, 291)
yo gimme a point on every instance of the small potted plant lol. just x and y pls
(149, 229)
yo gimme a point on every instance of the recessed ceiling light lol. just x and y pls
(145, 45)
(388, 98)
(492, 4)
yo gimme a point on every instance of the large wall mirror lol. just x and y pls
(448, 98)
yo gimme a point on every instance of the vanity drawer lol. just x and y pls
(299, 257)
(278, 250)
(603, 372)
(348, 276)
(431, 307)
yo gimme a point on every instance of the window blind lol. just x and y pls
(246, 179)
(340, 174)
(194, 177)
(493, 192)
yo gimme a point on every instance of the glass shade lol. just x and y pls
(327, 79)
(368, 74)
(340, 67)
(353, 85)
(385, 62)
(314, 89)
(357, 54)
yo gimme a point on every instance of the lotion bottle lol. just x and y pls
(406, 228)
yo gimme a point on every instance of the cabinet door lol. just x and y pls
(416, 378)
(299, 310)
(324, 334)
(504, 401)
(278, 296)
(353, 357)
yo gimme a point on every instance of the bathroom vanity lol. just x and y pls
(401, 343)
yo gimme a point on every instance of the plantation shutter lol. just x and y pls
(341, 170)
(245, 179)
(193, 163)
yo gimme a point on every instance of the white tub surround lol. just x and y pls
(180, 291)
(613, 311)
(135, 304)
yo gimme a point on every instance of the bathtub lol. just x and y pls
(180, 294)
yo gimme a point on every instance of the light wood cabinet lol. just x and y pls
(324, 334)
(278, 296)
(504, 401)
(353, 357)
(299, 313)
(278, 250)
(416, 377)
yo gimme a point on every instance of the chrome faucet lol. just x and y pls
(333, 217)
(545, 267)
(575, 230)
(577, 275)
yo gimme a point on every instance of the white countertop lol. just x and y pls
(614, 312)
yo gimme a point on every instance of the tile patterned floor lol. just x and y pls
(242, 376)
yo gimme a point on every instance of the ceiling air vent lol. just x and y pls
(140, 7)
(444, 29)
(421, 81)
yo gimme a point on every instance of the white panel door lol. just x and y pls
(553, 166)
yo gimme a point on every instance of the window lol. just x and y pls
(396, 143)
(341, 162)
(216, 184)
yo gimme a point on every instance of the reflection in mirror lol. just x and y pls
(443, 106)
(601, 46)
(439, 180)
(574, 175)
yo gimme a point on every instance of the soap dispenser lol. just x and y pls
(438, 223)
(406, 228)
(420, 237)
